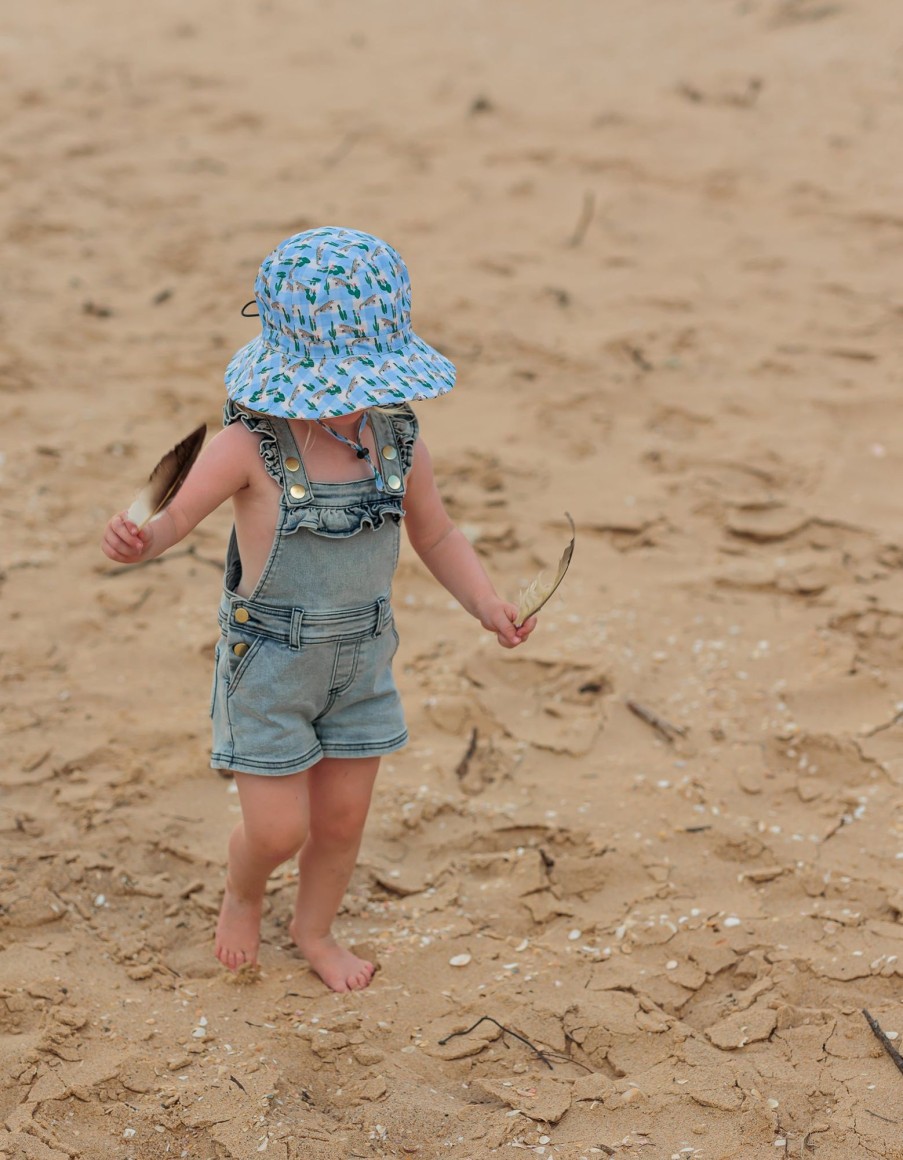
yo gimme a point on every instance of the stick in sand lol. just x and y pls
(881, 1036)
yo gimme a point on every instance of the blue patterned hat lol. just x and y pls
(335, 313)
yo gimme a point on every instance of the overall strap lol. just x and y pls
(295, 483)
(388, 451)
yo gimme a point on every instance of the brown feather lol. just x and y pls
(534, 596)
(166, 478)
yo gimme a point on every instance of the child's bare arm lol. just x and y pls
(222, 469)
(451, 558)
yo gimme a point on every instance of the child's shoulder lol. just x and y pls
(238, 442)
(238, 435)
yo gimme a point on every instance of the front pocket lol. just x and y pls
(237, 666)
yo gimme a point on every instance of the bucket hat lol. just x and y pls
(336, 337)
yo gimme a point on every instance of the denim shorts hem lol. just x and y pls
(365, 749)
(267, 768)
(300, 764)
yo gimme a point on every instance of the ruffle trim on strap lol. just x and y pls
(260, 425)
(327, 519)
(341, 522)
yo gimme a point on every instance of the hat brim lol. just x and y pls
(264, 378)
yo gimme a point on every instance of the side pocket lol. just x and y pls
(216, 656)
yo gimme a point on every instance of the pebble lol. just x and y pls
(459, 960)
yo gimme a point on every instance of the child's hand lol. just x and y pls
(123, 542)
(500, 617)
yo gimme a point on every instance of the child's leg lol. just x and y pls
(274, 823)
(339, 793)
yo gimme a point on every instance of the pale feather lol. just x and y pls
(538, 591)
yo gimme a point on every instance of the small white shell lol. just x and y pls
(459, 960)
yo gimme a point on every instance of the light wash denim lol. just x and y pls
(303, 666)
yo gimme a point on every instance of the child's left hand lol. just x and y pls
(500, 617)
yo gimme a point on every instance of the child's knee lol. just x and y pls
(340, 828)
(276, 843)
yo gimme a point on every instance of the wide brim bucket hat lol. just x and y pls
(336, 337)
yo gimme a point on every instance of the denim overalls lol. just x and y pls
(303, 667)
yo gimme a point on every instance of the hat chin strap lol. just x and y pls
(357, 447)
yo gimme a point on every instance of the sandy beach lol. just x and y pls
(647, 871)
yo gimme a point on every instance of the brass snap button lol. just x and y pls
(394, 482)
(242, 615)
(240, 649)
(292, 464)
(389, 453)
(297, 491)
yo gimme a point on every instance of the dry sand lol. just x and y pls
(662, 242)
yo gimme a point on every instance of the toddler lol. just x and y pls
(321, 459)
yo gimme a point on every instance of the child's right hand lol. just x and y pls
(123, 542)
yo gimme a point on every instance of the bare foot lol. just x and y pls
(238, 931)
(339, 969)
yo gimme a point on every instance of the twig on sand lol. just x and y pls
(895, 720)
(882, 1038)
(659, 724)
(586, 216)
(506, 1030)
(878, 1116)
(342, 150)
(464, 764)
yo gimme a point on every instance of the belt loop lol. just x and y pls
(383, 612)
(294, 632)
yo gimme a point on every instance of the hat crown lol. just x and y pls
(330, 291)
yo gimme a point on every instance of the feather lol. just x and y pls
(538, 591)
(166, 478)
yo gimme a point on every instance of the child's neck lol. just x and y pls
(345, 423)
